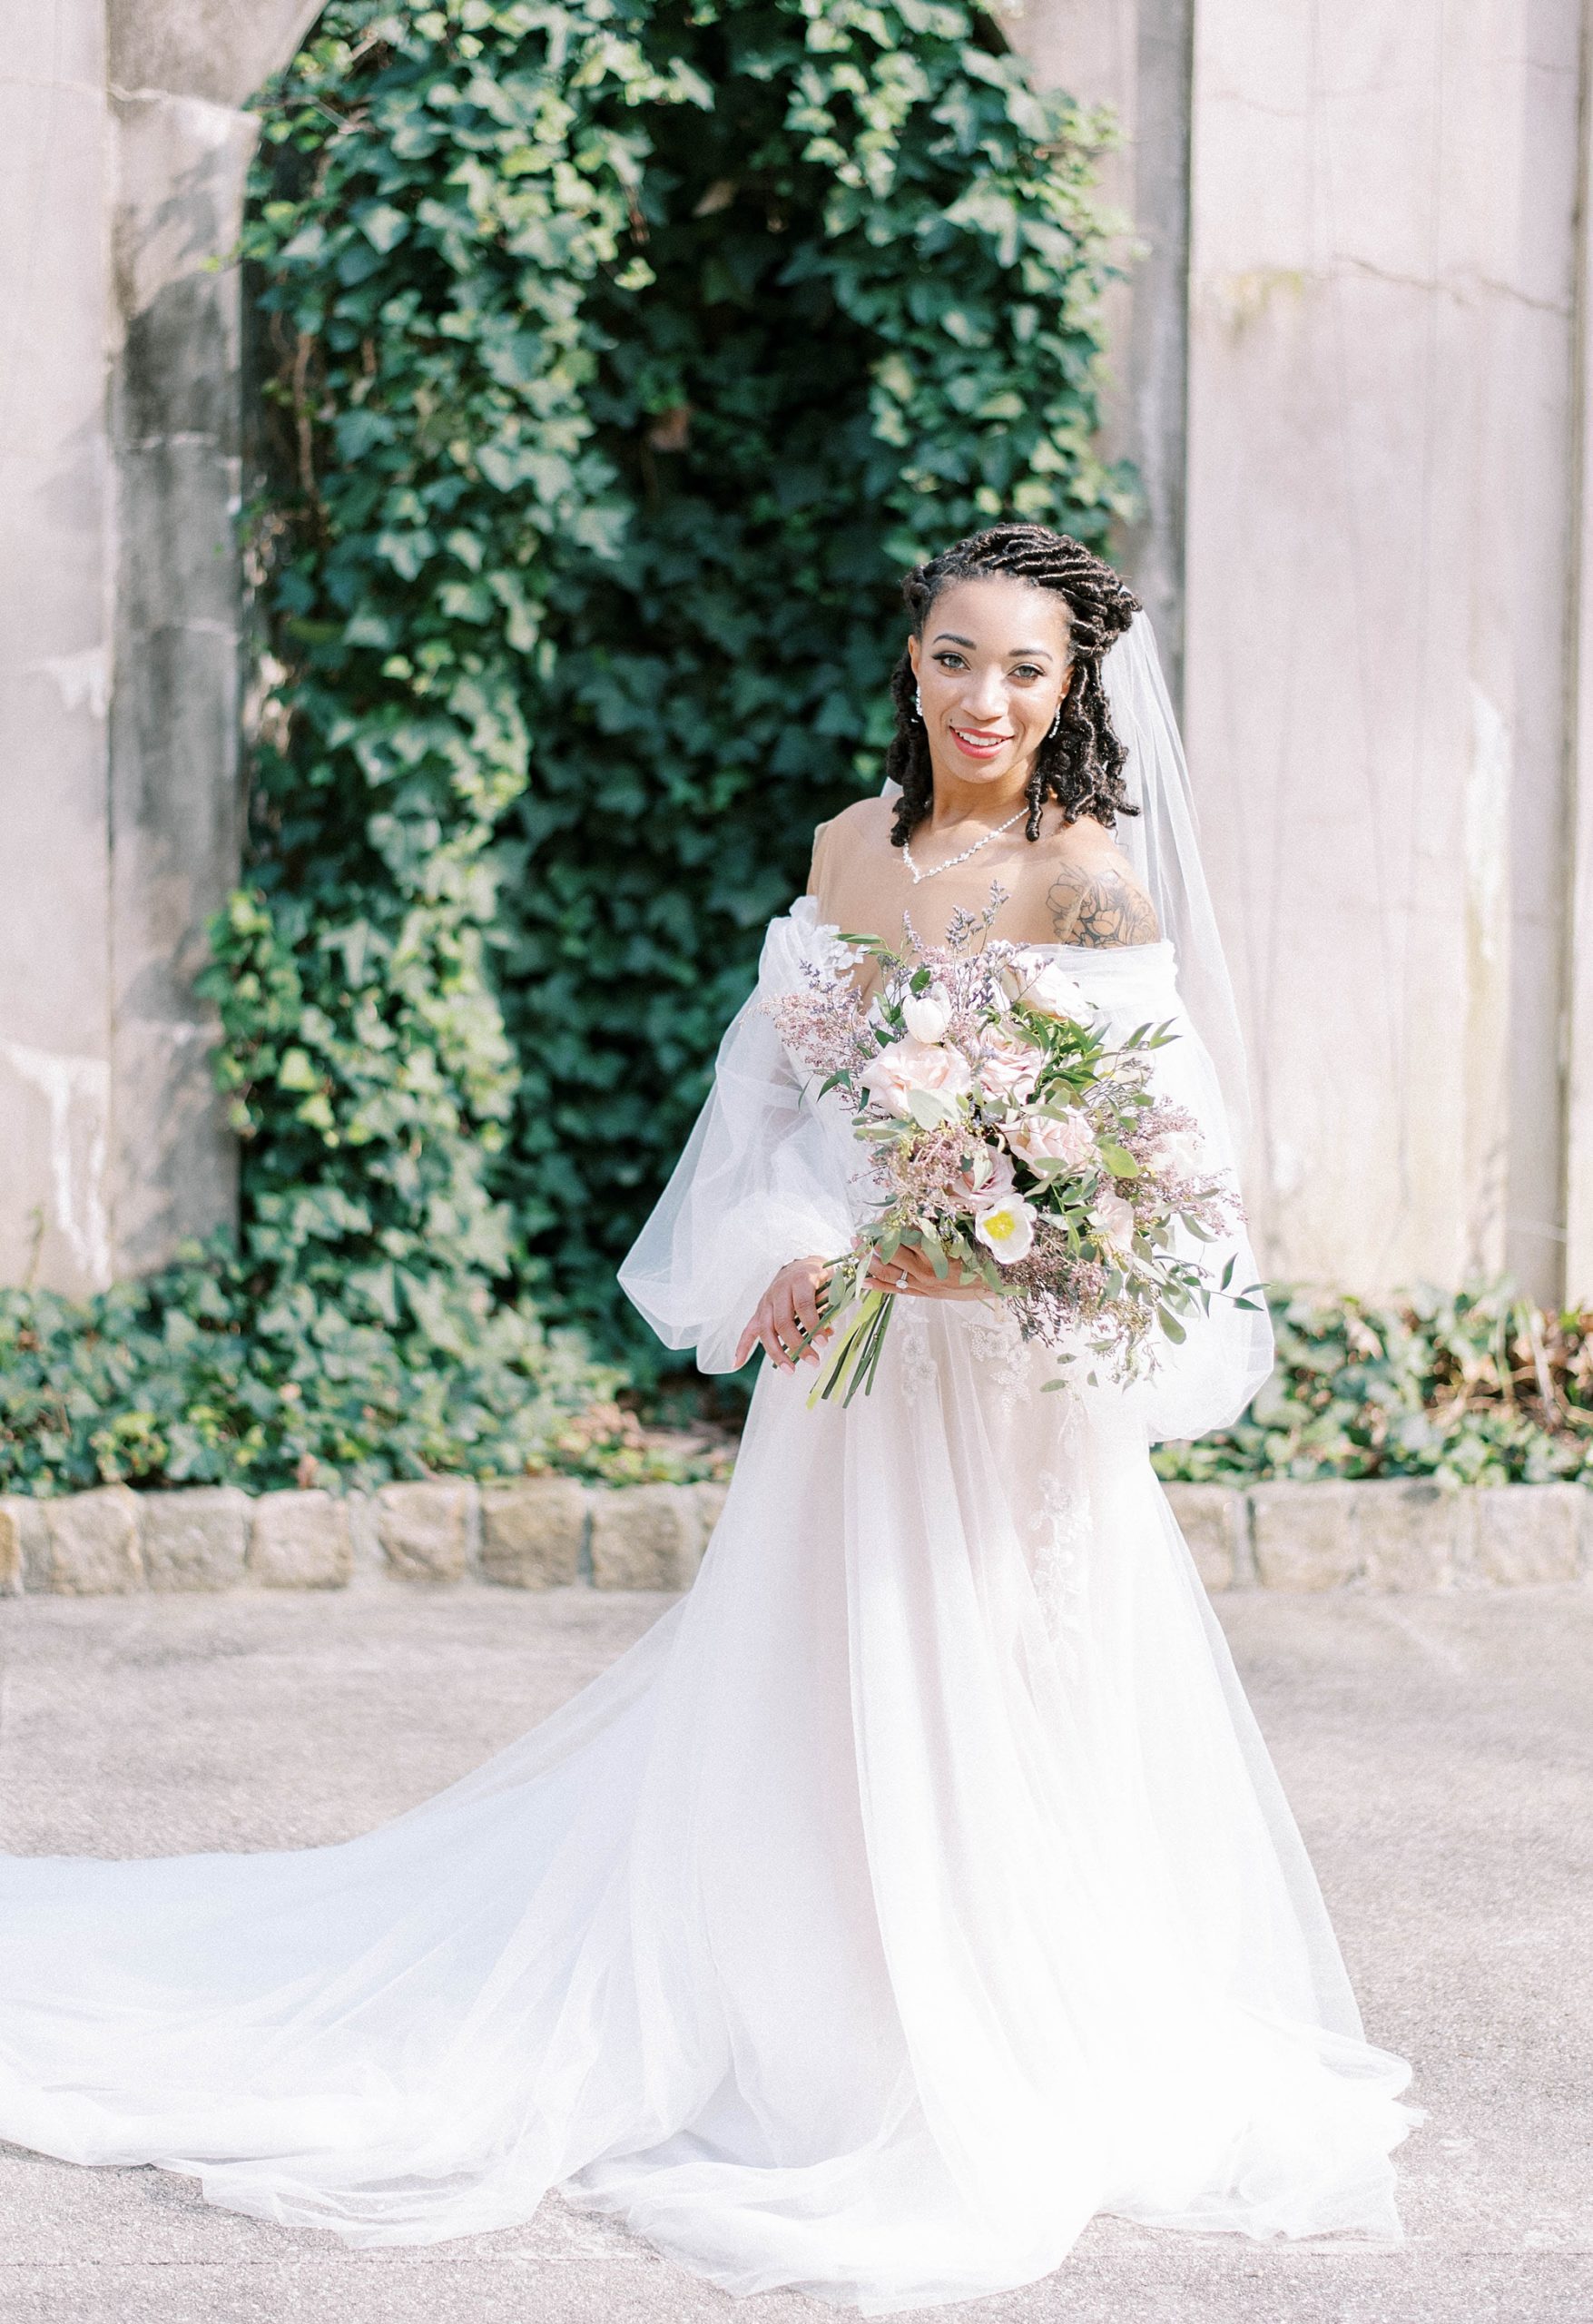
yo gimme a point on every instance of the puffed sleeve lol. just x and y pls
(761, 1181)
(1206, 1381)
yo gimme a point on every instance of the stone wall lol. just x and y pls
(1352, 365)
(120, 202)
(1383, 329)
(542, 1532)
(1382, 411)
(1135, 57)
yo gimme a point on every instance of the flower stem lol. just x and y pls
(856, 1350)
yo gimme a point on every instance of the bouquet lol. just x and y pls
(1008, 1139)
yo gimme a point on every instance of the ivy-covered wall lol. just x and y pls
(615, 359)
(612, 361)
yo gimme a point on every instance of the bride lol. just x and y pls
(919, 1886)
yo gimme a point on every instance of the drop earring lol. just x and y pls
(918, 701)
(1055, 725)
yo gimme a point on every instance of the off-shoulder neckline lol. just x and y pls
(1161, 950)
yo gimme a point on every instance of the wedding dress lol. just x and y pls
(917, 1888)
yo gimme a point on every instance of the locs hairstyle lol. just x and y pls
(1081, 764)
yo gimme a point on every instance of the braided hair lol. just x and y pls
(1081, 764)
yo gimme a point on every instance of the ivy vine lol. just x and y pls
(614, 358)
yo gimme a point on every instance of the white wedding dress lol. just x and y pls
(916, 1888)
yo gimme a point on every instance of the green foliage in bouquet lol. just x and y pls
(614, 359)
(1011, 1142)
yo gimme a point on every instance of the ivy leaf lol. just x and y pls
(383, 226)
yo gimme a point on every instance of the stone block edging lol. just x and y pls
(1393, 1534)
(544, 1533)
(530, 1533)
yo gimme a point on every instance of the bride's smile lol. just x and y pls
(990, 676)
(978, 746)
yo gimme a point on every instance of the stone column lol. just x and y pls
(120, 202)
(1136, 57)
(1577, 1187)
(1380, 468)
(55, 556)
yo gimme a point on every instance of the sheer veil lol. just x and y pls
(1162, 842)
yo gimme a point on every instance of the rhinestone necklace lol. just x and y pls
(936, 870)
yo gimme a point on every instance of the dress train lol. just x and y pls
(916, 1888)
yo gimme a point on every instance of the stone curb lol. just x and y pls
(533, 1533)
(1402, 1533)
(546, 1532)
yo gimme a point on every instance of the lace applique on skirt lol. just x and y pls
(909, 1329)
(1061, 1530)
(1002, 1352)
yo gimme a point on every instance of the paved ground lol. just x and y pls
(1439, 1753)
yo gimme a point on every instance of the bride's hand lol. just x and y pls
(787, 1322)
(911, 1274)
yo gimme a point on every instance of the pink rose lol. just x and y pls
(1066, 1139)
(1050, 989)
(1009, 1069)
(996, 1186)
(1113, 1219)
(911, 1066)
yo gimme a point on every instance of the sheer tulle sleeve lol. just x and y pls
(1206, 1382)
(763, 1181)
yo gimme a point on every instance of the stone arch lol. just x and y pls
(119, 420)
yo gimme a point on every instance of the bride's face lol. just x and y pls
(993, 666)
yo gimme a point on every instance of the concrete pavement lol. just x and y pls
(1439, 1752)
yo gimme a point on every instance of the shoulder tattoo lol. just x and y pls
(1100, 908)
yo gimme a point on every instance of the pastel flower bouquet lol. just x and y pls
(1010, 1141)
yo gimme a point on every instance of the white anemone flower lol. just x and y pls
(1007, 1229)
